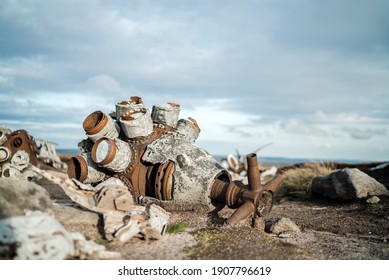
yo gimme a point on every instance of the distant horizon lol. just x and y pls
(267, 158)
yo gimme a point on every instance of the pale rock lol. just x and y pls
(284, 225)
(348, 183)
(373, 200)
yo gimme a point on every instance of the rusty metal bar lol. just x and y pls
(273, 184)
(242, 213)
(248, 199)
(253, 173)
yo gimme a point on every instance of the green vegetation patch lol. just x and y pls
(176, 228)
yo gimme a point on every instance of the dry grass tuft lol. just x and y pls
(299, 179)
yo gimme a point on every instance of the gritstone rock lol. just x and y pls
(39, 236)
(348, 183)
(17, 197)
(284, 225)
(34, 236)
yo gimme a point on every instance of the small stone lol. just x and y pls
(259, 223)
(158, 218)
(284, 225)
(285, 235)
(373, 200)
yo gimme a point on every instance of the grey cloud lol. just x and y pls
(239, 130)
(352, 26)
(295, 126)
(364, 133)
(264, 120)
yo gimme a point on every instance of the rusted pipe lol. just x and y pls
(166, 115)
(136, 123)
(273, 184)
(189, 128)
(123, 107)
(112, 154)
(248, 199)
(242, 213)
(98, 125)
(83, 169)
(253, 176)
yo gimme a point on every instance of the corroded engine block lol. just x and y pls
(153, 156)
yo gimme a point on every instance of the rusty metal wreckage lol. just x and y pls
(132, 157)
(156, 160)
(22, 156)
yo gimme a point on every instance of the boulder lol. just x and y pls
(346, 184)
(38, 236)
(17, 197)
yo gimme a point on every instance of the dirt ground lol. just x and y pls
(329, 230)
(354, 230)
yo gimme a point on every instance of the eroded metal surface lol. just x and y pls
(155, 159)
(21, 157)
(253, 199)
(48, 154)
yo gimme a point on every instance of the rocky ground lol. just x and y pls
(329, 229)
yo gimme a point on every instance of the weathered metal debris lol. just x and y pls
(153, 157)
(21, 157)
(48, 154)
(238, 169)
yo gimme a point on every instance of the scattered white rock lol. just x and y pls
(159, 218)
(373, 200)
(381, 166)
(284, 226)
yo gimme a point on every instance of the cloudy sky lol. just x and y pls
(311, 77)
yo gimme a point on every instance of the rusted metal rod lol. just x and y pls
(246, 198)
(253, 175)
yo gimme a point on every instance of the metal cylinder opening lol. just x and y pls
(253, 175)
(5, 154)
(98, 125)
(95, 122)
(6, 173)
(112, 154)
(189, 128)
(136, 123)
(123, 107)
(77, 168)
(103, 151)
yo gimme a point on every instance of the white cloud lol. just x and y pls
(104, 84)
